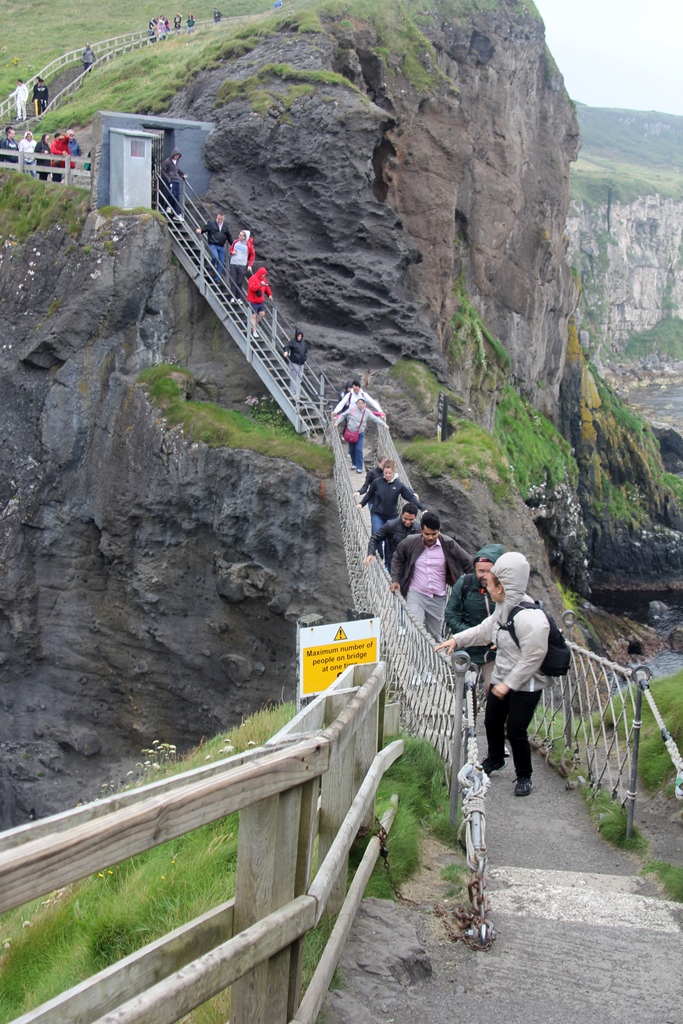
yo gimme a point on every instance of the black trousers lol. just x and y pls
(517, 709)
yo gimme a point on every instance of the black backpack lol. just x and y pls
(558, 657)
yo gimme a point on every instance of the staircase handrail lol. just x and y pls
(285, 330)
(308, 413)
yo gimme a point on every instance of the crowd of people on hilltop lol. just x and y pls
(160, 28)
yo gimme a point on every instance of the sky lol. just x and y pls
(618, 53)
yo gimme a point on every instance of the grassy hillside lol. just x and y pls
(628, 153)
(68, 25)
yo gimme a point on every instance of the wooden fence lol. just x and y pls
(310, 787)
(50, 167)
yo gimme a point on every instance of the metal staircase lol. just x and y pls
(310, 412)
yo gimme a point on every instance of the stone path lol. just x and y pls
(580, 935)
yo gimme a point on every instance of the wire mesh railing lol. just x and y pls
(419, 677)
(590, 721)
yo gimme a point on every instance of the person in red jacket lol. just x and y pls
(60, 147)
(257, 290)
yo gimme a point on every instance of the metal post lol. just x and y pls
(274, 326)
(461, 663)
(568, 620)
(201, 268)
(642, 676)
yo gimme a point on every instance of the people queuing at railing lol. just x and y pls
(50, 158)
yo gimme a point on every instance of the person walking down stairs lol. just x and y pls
(296, 354)
(217, 233)
(257, 291)
(171, 176)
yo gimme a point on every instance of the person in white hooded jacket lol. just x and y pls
(516, 682)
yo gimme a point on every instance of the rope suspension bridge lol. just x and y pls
(304, 796)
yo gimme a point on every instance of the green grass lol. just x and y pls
(219, 427)
(72, 25)
(665, 338)
(85, 927)
(469, 453)
(538, 454)
(611, 820)
(472, 342)
(421, 384)
(424, 805)
(28, 206)
(622, 158)
(670, 876)
(252, 89)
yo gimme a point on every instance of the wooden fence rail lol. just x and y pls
(309, 787)
(52, 167)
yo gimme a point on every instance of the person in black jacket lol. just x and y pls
(296, 354)
(9, 142)
(217, 232)
(392, 533)
(171, 176)
(423, 567)
(383, 496)
(43, 147)
(371, 475)
(40, 97)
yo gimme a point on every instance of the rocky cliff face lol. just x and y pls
(149, 586)
(629, 256)
(445, 161)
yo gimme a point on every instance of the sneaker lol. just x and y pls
(360, 472)
(179, 216)
(523, 786)
(254, 334)
(489, 765)
(169, 209)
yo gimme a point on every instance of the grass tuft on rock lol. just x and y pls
(470, 453)
(168, 386)
(538, 454)
(28, 206)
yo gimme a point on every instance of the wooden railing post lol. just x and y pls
(274, 855)
(338, 791)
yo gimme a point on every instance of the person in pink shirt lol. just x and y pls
(423, 566)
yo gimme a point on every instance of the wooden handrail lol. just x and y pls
(253, 942)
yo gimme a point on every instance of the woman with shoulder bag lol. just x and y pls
(355, 417)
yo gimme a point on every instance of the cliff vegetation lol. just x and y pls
(170, 388)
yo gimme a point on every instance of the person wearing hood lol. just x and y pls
(469, 604)
(516, 683)
(296, 354)
(257, 290)
(242, 258)
(171, 176)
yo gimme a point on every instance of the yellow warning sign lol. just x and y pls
(340, 634)
(321, 665)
